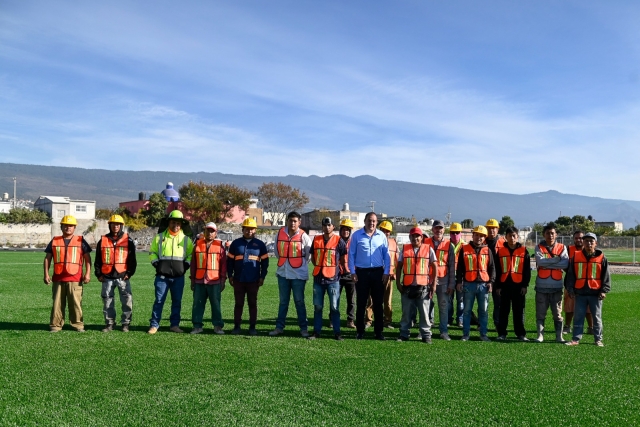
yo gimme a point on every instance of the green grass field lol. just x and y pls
(97, 379)
(622, 255)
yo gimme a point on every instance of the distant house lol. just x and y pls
(618, 226)
(356, 217)
(135, 206)
(57, 207)
(5, 206)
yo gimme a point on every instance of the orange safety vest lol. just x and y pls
(456, 251)
(588, 272)
(67, 258)
(324, 256)
(415, 266)
(572, 251)
(289, 248)
(555, 273)
(208, 259)
(442, 256)
(512, 264)
(393, 254)
(474, 267)
(114, 255)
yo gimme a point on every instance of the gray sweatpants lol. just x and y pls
(126, 299)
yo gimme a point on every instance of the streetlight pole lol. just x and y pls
(15, 204)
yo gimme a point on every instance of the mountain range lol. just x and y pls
(398, 198)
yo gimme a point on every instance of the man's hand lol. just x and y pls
(354, 277)
(459, 287)
(430, 291)
(222, 286)
(231, 281)
(449, 291)
(260, 282)
(385, 279)
(399, 287)
(602, 296)
(101, 279)
(498, 292)
(193, 286)
(86, 279)
(490, 287)
(572, 295)
(523, 291)
(47, 280)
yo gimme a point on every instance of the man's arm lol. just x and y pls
(399, 266)
(87, 263)
(306, 241)
(132, 262)
(526, 273)
(451, 268)
(264, 263)
(47, 263)
(491, 269)
(570, 280)
(97, 263)
(606, 278)
(353, 248)
(460, 271)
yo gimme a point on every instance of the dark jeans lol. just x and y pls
(350, 288)
(510, 296)
(370, 284)
(240, 289)
(496, 309)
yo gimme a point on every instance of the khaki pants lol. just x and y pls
(545, 301)
(388, 311)
(63, 292)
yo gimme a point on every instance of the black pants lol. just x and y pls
(496, 309)
(370, 284)
(511, 296)
(349, 287)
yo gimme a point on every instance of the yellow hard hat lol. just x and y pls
(346, 223)
(492, 223)
(117, 219)
(249, 222)
(480, 229)
(455, 227)
(69, 220)
(386, 225)
(176, 214)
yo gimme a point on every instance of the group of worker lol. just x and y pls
(364, 263)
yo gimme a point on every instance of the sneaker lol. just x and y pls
(236, 330)
(566, 329)
(350, 324)
(599, 343)
(359, 336)
(253, 332)
(108, 328)
(589, 331)
(389, 326)
(305, 334)
(218, 330)
(485, 338)
(152, 330)
(460, 324)
(176, 329)
(572, 343)
(275, 332)
(380, 337)
(53, 331)
(402, 339)
(426, 340)
(502, 338)
(539, 339)
(330, 325)
(313, 336)
(465, 338)
(338, 337)
(125, 328)
(523, 338)
(445, 337)
(196, 331)
(367, 325)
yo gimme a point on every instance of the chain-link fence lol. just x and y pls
(616, 248)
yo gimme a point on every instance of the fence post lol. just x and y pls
(634, 250)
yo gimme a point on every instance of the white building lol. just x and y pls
(356, 217)
(57, 207)
(5, 206)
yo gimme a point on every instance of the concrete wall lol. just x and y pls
(41, 234)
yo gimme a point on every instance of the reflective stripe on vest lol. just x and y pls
(588, 272)
(473, 267)
(208, 259)
(67, 258)
(554, 273)
(289, 249)
(442, 256)
(415, 266)
(161, 255)
(393, 254)
(325, 257)
(512, 265)
(114, 254)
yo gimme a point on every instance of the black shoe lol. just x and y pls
(108, 328)
(401, 338)
(380, 337)
(359, 336)
(426, 340)
(338, 337)
(313, 336)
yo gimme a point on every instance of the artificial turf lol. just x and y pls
(171, 379)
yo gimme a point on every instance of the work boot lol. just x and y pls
(125, 328)
(350, 324)
(540, 326)
(558, 326)
(176, 329)
(108, 328)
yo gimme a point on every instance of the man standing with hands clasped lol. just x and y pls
(369, 259)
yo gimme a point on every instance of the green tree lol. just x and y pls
(278, 199)
(505, 223)
(27, 216)
(156, 211)
(467, 223)
(212, 202)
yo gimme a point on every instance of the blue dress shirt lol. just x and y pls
(369, 252)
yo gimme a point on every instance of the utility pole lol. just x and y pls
(447, 220)
(15, 202)
(373, 204)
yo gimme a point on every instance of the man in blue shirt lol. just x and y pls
(369, 259)
(247, 264)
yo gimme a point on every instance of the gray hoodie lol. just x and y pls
(557, 262)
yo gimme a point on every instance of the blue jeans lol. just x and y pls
(457, 310)
(163, 285)
(285, 287)
(333, 290)
(201, 294)
(580, 311)
(471, 292)
(409, 309)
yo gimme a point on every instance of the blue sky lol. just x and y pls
(504, 96)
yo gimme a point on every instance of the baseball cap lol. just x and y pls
(592, 235)
(326, 221)
(211, 225)
(416, 230)
(438, 223)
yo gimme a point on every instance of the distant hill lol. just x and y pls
(108, 188)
